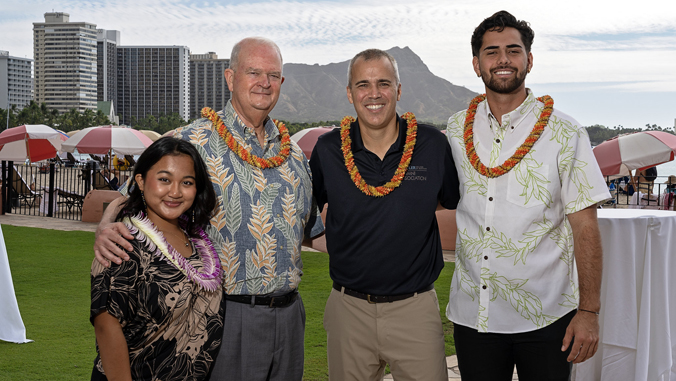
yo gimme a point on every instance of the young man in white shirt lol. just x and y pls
(527, 228)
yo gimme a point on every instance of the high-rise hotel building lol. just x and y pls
(65, 63)
(16, 81)
(152, 80)
(208, 87)
(106, 64)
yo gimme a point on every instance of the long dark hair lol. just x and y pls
(205, 199)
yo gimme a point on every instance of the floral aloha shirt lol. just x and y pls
(263, 214)
(514, 268)
(173, 328)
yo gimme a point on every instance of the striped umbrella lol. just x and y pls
(307, 138)
(622, 154)
(102, 140)
(31, 141)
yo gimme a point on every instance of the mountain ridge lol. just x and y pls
(313, 93)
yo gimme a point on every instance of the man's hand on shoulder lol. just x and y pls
(111, 243)
(583, 331)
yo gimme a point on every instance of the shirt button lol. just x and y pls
(488, 228)
(484, 287)
(490, 199)
(497, 140)
(512, 127)
(486, 257)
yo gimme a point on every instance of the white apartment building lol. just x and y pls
(16, 81)
(65, 63)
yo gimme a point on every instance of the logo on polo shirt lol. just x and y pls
(416, 172)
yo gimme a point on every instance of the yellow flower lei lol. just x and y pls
(520, 152)
(383, 190)
(243, 153)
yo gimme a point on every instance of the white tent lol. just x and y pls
(11, 325)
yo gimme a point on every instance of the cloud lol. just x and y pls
(578, 41)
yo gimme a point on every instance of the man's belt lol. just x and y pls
(270, 301)
(379, 298)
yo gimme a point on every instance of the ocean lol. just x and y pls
(666, 169)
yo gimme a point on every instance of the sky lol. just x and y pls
(611, 63)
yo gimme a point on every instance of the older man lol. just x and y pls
(383, 177)
(264, 186)
(530, 185)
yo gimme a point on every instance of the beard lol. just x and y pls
(505, 87)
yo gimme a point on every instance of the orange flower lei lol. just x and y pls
(245, 154)
(383, 190)
(520, 152)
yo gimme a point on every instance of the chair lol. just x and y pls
(101, 182)
(25, 194)
(70, 199)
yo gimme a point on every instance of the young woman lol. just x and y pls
(160, 314)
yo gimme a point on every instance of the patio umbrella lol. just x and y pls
(151, 134)
(102, 140)
(307, 138)
(644, 149)
(34, 142)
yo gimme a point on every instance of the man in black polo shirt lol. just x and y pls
(383, 176)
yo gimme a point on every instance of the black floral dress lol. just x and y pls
(173, 327)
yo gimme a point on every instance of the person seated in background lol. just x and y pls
(643, 180)
(111, 176)
(159, 315)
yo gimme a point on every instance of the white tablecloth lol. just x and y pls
(11, 325)
(638, 297)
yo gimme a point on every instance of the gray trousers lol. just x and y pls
(261, 343)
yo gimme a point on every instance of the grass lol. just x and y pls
(50, 270)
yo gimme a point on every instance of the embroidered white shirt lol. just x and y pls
(514, 269)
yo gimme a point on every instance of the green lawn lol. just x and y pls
(50, 270)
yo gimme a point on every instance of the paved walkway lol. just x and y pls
(69, 225)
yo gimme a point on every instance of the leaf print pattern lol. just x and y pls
(244, 176)
(474, 182)
(472, 248)
(268, 196)
(511, 290)
(233, 213)
(528, 222)
(534, 183)
(259, 254)
(465, 283)
(506, 248)
(260, 180)
(172, 328)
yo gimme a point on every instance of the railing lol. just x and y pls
(653, 195)
(52, 190)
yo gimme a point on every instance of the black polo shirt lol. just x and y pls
(385, 245)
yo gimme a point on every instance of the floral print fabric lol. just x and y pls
(263, 214)
(172, 327)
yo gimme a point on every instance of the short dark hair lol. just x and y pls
(368, 55)
(497, 23)
(205, 199)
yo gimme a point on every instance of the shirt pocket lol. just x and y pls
(530, 186)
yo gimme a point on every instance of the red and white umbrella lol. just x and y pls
(307, 138)
(622, 154)
(103, 139)
(31, 141)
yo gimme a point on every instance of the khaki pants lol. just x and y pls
(363, 338)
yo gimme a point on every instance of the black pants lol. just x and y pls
(492, 356)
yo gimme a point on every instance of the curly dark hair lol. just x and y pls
(205, 199)
(497, 23)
